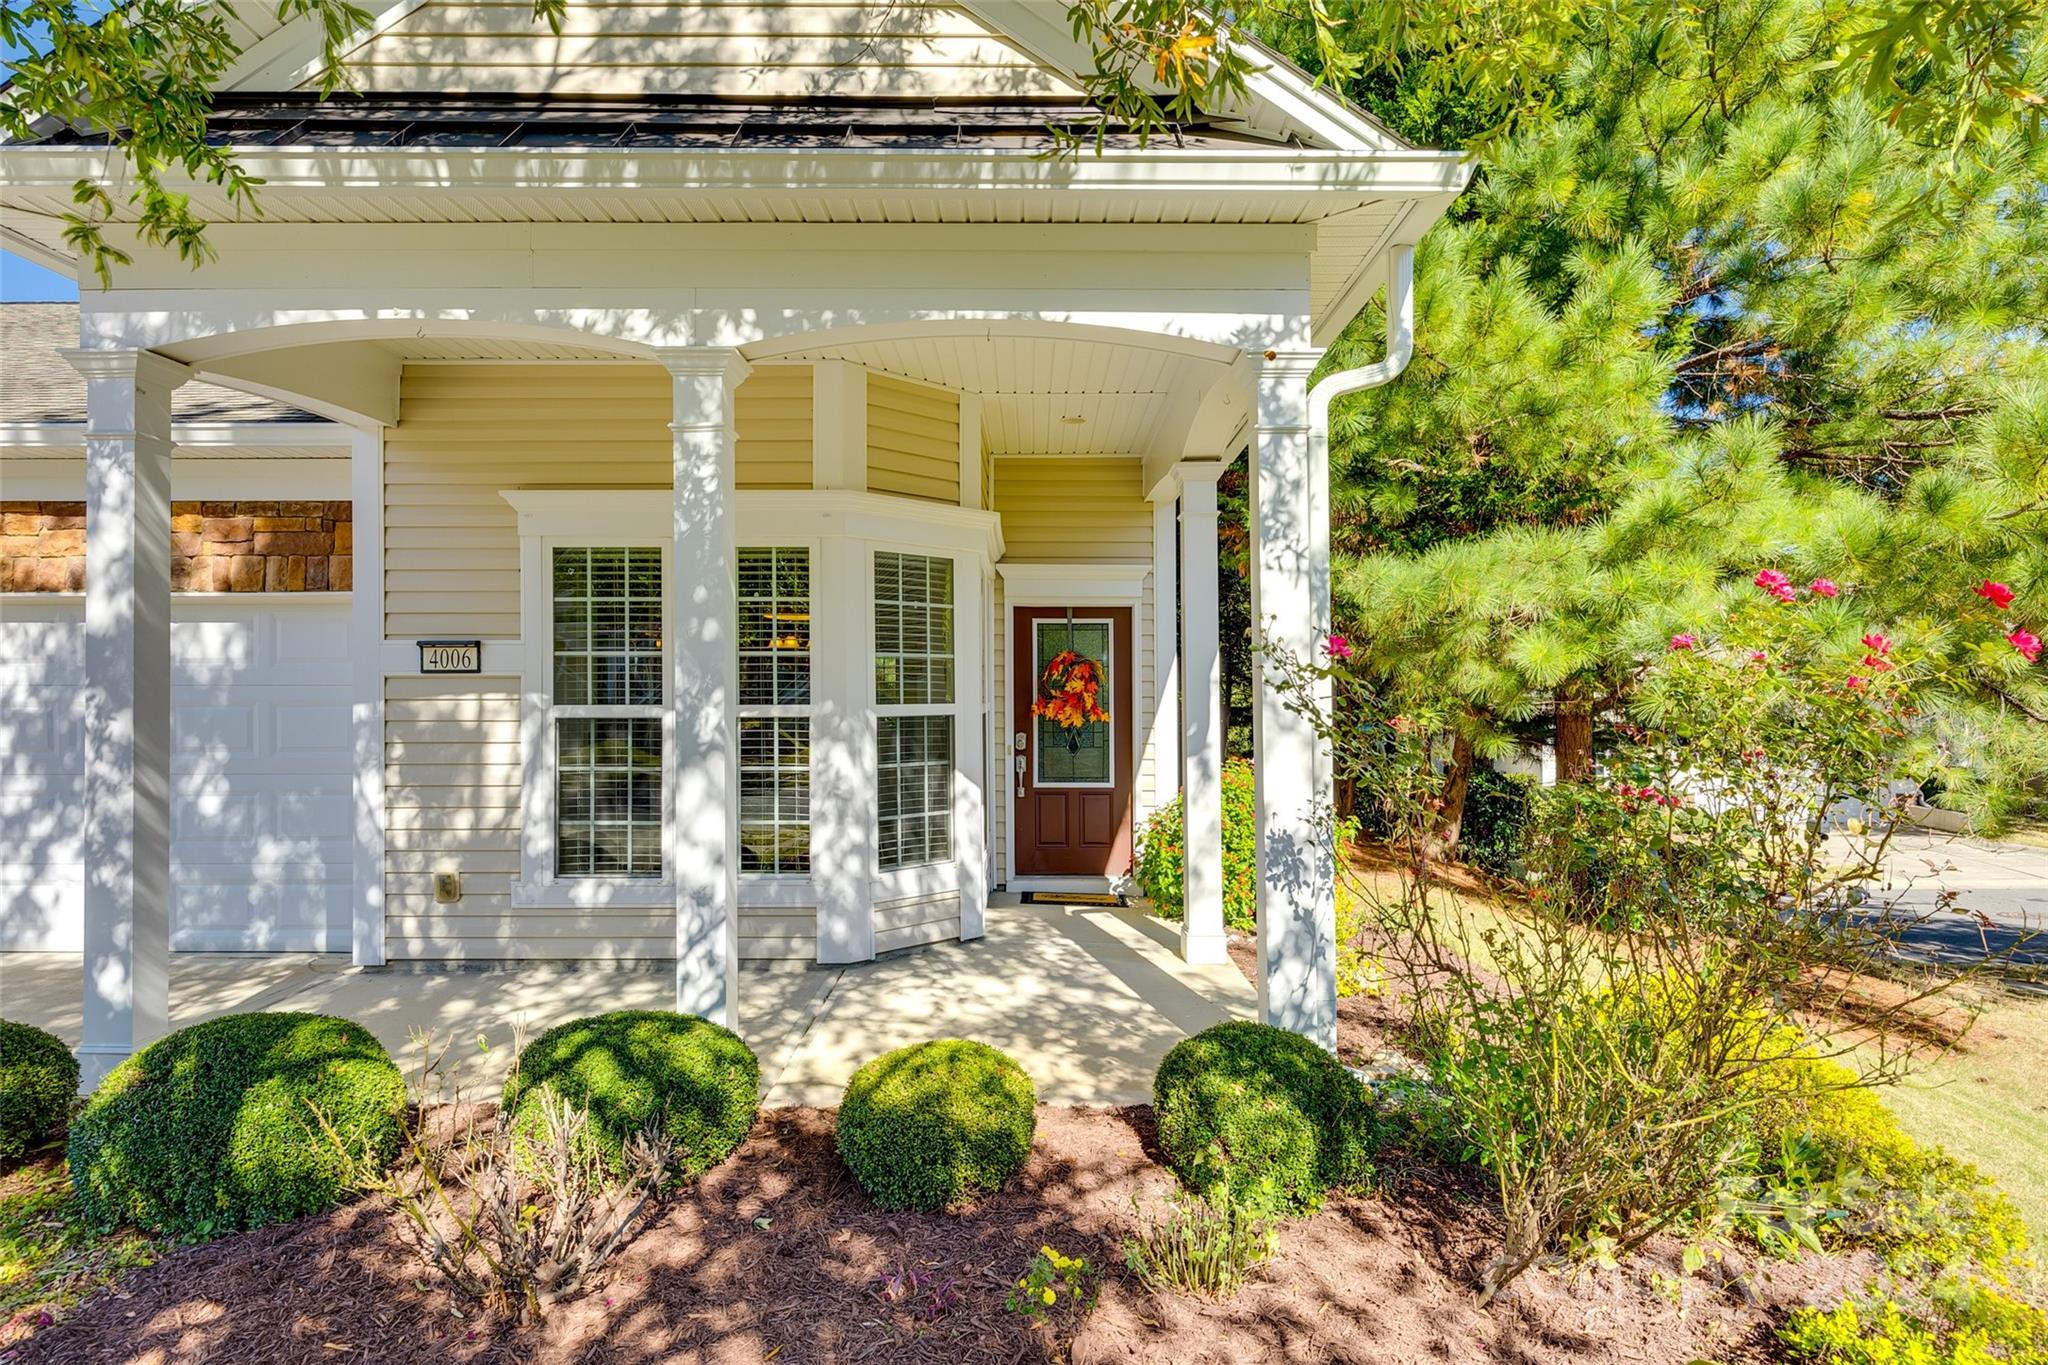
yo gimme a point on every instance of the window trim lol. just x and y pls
(564, 519)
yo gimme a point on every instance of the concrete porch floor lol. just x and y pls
(1086, 999)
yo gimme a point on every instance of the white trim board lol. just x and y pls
(200, 478)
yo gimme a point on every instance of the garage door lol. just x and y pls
(260, 802)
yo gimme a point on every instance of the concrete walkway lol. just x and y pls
(1087, 1000)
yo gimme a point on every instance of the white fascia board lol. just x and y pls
(1287, 174)
(290, 55)
(29, 249)
(1273, 87)
(320, 436)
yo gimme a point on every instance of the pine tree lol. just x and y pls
(1712, 314)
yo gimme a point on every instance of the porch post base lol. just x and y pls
(1204, 950)
(96, 1061)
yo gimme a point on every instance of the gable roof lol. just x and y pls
(940, 52)
(38, 385)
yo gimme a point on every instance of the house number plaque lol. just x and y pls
(451, 656)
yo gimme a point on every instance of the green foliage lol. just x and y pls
(1712, 310)
(638, 1070)
(1496, 815)
(1196, 1245)
(1262, 1117)
(1050, 1278)
(213, 1130)
(51, 1258)
(1160, 868)
(937, 1124)
(1956, 1322)
(38, 1082)
(1359, 970)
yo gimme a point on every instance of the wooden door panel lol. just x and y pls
(1098, 819)
(1074, 830)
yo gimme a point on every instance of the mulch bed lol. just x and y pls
(779, 1256)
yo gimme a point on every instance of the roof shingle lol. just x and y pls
(39, 385)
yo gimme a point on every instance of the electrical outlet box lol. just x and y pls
(447, 888)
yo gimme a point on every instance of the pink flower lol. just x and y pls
(1856, 681)
(1998, 594)
(2027, 643)
(1684, 641)
(1824, 587)
(1877, 643)
(1776, 584)
(1339, 647)
(1757, 656)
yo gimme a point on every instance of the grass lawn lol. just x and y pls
(49, 1261)
(1988, 1102)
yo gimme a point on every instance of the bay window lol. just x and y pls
(775, 709)
(914, 678)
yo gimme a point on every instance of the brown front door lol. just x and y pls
(1074, 795)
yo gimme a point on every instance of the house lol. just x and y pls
(741, 409)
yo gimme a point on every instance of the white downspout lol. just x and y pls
(1400, 347)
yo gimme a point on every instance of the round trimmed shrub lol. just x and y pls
(633, 1070)
(38, 1081)
(1263, 1116)
(934, 1125)
(212, 1129)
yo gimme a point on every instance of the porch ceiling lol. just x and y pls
(1051, 394)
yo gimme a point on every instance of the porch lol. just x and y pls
(1086, 999)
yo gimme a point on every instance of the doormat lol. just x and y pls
(1073, 898)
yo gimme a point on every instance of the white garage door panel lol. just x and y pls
(261, 856)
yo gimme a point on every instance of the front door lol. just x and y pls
(1072, 704)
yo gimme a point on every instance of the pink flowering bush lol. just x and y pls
(1691, 931)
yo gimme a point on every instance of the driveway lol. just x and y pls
(1087, 1000)
(1999, 905)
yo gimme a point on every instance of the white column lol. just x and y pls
(366, 652)
(1165, 642)
(706, 852)
(842, 753)
(127, 834)
(1290, 533)
(839, 425)
(1201, 928)
(970, 732)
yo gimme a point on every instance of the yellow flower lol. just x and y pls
(1049, 1295)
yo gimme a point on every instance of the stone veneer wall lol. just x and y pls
(215, 547)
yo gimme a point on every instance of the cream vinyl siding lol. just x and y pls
(916, 921)
(751, 49)
(776, 934)
(467, 432)
(772, 412)
(451, 797)
(1077, 510)
(913, 439)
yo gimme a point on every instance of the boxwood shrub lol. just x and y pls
(1263, 1116)
(38, 1081)
(633, 1070)
(936, 1124)
(211, 1130)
